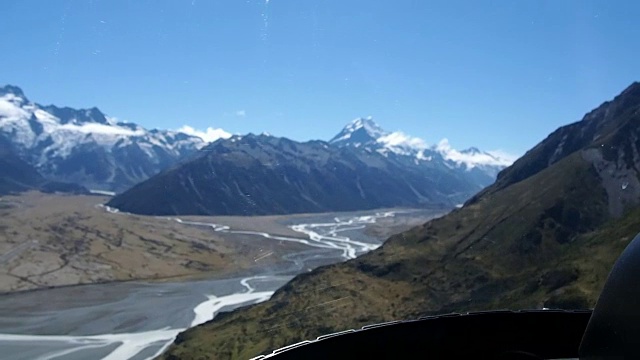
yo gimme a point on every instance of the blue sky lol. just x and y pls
(492, 74)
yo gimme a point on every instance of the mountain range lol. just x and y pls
(364, 133)
(175, 172)
(85, 146)
(263, 174)
(544, 235)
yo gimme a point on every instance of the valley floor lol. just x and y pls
(58, 240)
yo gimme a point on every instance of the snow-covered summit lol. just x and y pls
(13, 90)
(58, 130)
(358, 132)
(472, 157)
(88, 147)
(367, 134)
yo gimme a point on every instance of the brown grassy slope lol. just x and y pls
(518, 248)
(66, 240)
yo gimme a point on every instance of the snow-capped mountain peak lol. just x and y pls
(358, 132)
(471, 150)
(86, 146)
(365, 133)
(370, 126)
(68, 115)
(13, 90)
(471, 157)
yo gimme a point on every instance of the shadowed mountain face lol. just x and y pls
(544, 235)
(611, 129)
(15, 174)
(260, 174)
(362, 167)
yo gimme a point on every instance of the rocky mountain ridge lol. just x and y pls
(262, 174)
(85, 146)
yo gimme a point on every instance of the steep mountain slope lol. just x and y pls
(15, 174)
(261, 174)
(545, 235)
(604, 127)
(85, 146)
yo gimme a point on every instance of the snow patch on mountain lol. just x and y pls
(101, 129)
(10, 107)
(402, 143)
(88, 147)
(209, 135)
(471, 157)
